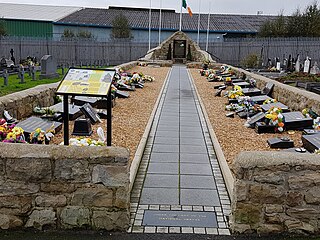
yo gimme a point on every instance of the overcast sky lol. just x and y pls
(269, 7)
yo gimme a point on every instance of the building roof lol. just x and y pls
(35, 12)
(139, 19)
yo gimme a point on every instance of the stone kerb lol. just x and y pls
(276, 192)
(61, 187)
(21, 104)
(295, 98)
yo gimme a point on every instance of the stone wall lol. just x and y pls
(297, 99)
(161, 52)
(21, 104)
(61, 187)
(276, 192)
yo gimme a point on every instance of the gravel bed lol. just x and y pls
(130, 116)
(233, 136)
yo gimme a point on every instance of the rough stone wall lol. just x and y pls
(21, 104)
(297, 99)
(60, 187)
(276, 192)
(161, 52)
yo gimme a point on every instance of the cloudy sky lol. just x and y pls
(269, 7)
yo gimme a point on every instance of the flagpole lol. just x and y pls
(180, 16)
(208, 28)
(160, 22)
(150, 26)
(198, 37)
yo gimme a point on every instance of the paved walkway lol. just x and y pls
(179, 187)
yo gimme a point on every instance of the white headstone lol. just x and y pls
(306, 65)
(297, 67)
(315, 69)
(278, 66)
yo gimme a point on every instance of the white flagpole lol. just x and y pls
(198, 37)
(160, 22)
(150, 26)
(180, 16)
(208, 28)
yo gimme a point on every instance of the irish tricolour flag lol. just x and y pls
(184, 5)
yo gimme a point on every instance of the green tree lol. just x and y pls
(68, 33)
(85, 34)
(120, 27)
(275, 28)
(3, 29)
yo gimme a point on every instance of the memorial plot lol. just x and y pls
(260, 99)
(311, 142)
(74, 110)
(266, 107)
(296, 121)
(251, 91)
(259, 117)
(32, 123)
(241, 84)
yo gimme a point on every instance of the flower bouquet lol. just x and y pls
(275, 117)
(40, 136)
(13, 134)
(147, 78)
(235, 93)
(270, 100)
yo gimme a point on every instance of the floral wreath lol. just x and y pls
(275, 116)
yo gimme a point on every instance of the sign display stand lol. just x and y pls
(89, 82)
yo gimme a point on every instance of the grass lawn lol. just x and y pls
(14, 84)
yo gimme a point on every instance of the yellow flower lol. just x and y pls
(38, 130)
(17, 130)
(11, 135)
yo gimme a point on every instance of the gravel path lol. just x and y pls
(233, 136)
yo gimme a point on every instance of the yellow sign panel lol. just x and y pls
(79, 81)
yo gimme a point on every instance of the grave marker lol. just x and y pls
(5, 77)
(90, 113)
(315, 69)
(296, 120)
(311, 142)
(74, 110)
(259, 117)
(179, 219)
(48, 67)
(297, 66)
(306, 65)
(266, 107)
(280, 142)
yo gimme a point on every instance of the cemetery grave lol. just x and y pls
(233, 136)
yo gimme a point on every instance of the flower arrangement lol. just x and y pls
(270, 100)
(252, 82)
(228, 80)
(83, 141)
(246, 102)
(135, 78)
(40, 136)
(316, 123)
(275, 116)
(14, 135)
(45, 110)
(236, 92)
(233, 107)
(317, 151)
(147, 78)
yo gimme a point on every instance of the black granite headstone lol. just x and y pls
(122, 94)
(262, 127)
(267, 90)
(310, 131)
(179, 219)
(296, 120)
(280, 142)
(251, 91)
(81, 100)
(259, 117)
(90, 113)
(242, 84)
(266, 107)
(82, 127)
(311, 142)
(32, 123)
(260, 99)
(74, 110)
